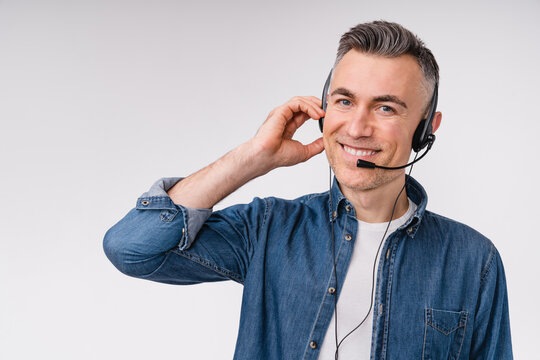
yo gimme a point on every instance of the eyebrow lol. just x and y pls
(387, 98)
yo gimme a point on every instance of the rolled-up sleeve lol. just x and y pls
(166, 242)
(193, 218)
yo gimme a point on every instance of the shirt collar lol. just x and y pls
(339, 204)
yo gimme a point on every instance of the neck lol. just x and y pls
(375, 205)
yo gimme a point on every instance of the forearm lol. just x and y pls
(155, 239)
(167, 219)
(271, 147)
(210, 185)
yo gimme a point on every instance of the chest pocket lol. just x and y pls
(444, 334)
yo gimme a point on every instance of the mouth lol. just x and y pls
(363, 153)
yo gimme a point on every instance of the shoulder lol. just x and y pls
(454, 230)
(314, 200)
(307, 209)
(263, 208)
(459, 239)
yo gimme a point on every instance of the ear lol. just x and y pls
(436, 120)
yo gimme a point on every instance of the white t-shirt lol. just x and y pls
(354, 299)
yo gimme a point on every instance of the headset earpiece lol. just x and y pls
(418, 135)
(423, 135)
(324, 98)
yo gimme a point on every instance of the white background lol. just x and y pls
(98, 99)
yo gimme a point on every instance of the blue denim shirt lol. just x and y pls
(440, 289)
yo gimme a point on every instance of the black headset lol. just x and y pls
(423, 135)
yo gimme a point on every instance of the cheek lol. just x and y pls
(331, 122)
(392, 132)
(330, 128)
(325, 141)
(398, 140)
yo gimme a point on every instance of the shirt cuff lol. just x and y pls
(194, 218)
(160, 187)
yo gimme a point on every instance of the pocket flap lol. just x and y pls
(446, 321)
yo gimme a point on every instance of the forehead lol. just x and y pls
(373, 75)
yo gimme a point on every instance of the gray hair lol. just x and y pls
(389, 39)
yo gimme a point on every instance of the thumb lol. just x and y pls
(314, 148)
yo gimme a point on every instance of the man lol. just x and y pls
(328, 275)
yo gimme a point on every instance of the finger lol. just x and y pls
(308, 106)
(292, 125)
(279, 120)
(312, 104)
(298, 120)
(314, 148)
(317, 101)
(314, 101)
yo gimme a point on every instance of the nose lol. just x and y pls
(360, 124)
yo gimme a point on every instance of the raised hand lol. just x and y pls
(270, 148)
(273, 141)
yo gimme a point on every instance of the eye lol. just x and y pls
(387, 110)
(344, 102)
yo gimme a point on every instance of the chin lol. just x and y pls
(365, 179)
(359, 184)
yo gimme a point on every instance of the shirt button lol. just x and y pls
(145, 202)
(313, 345)
(348, 237)
(331, 290)
(410, 230)
(348, 207)
(334, 215)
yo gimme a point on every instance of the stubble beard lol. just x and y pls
(367, 179)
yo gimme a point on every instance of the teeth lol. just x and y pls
(359, 152)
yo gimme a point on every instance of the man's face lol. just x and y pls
(374, 106)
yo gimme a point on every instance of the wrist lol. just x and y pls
(252, 160)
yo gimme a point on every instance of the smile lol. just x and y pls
(359, 152)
